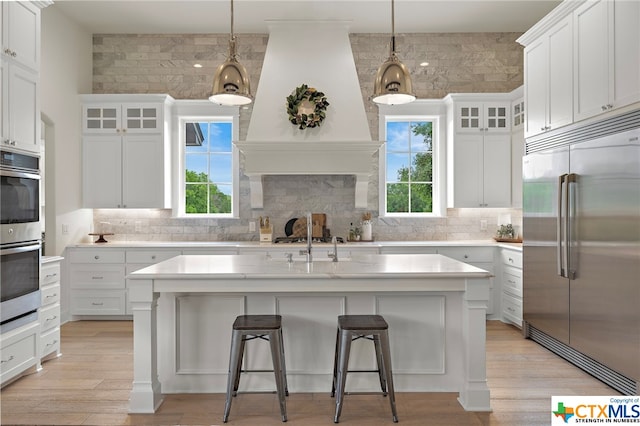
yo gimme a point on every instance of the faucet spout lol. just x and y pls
(334, 255)
(307, 252)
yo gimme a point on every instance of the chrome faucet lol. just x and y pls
(334, 255)
(307, 252)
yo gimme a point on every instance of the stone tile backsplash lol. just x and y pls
(163, 63)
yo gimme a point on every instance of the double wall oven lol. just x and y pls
(20, 239)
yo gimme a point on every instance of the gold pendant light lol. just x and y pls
(231, 81)
(393, 81)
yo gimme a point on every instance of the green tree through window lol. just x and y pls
(208, 167)
(409, 166)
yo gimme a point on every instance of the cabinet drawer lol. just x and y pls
(19, 354)
(49, 342)
(49, 318)
(50, 295)
(87, 302)
(512, 283)
(511, 258)
(150, 257)
(104, 277)
(97, 256)
(50, 274)
(512, 309)
(468, 254)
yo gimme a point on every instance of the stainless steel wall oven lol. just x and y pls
(20, 239)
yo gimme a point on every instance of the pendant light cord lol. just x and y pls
(232, 35)
(393, 29)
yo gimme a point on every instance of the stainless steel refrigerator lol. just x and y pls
(581, 227)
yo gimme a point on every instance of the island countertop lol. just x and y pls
(260, 266)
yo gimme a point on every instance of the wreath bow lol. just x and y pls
(317, 99)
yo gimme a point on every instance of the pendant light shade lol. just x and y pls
(231, 82)
(393, 81)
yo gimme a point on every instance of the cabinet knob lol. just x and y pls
(511, 260)
(96, 257)
(466, 256)
(153, 257)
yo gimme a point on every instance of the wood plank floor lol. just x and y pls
(90, 384)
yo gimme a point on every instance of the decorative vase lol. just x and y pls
(367, 233)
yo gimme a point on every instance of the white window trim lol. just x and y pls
(194, 110)
(431, 110)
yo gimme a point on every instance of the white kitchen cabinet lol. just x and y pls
(479, 150)
(477, 117)
(97, 281)
(109, 119)
(19, 351)
(20, 121)
(511, 277)
(21, 33)
(481, 257)
(548, 79)
(20, 108)
(137, 259)
(517, 150)
(49, 311)
(126, 152)
(607, 45)
(481, 170)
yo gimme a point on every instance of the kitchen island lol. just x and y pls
(183, 309)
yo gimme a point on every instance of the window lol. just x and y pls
(409, 164)
(209, 166)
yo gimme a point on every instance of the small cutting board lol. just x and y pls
(319, 221)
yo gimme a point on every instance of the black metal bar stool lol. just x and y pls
(371, 327)
(250, 327)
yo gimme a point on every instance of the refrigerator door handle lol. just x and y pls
(559, 225)
(570, 230)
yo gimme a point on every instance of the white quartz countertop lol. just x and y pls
(198, 267)
(249, 244)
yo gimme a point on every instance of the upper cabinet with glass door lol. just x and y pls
(113, 118)
(483, 117)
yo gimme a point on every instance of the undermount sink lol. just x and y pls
(300, 259)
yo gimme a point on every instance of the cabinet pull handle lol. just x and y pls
(50, 318)
(7, 360)
(511, 281)
(52, 343)
(51, 275)
(49, 296)
(97, 304)
(97, 278)
(510, 309)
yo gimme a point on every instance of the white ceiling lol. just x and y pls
(252, 16)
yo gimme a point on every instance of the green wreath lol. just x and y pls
(306, 107)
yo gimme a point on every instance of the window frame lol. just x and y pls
(191, 111)
(425, 110)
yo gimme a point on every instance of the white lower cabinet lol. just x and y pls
(511, 267)
(97, 281)
(481, 257)
(19, 351)
(49, 312)
(99, 286)
(138, 259)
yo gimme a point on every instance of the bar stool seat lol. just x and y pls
(370, 327)
(250, 327)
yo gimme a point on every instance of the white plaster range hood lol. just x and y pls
(316, 53)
